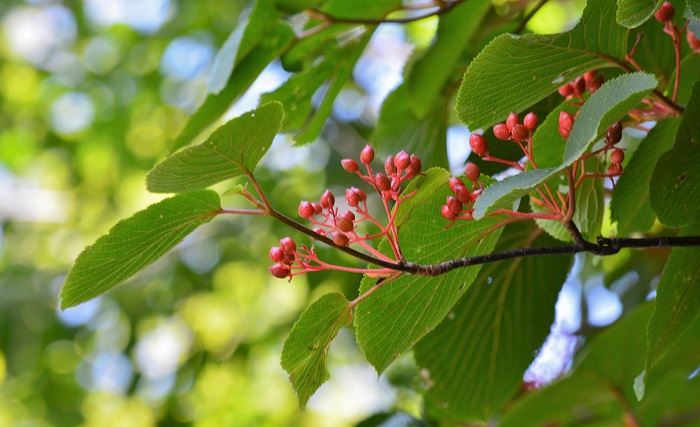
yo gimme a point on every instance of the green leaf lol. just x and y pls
(488, 340)
(514, 72)
(423, 186)
(241, 42)
(214, 106)
(676, 179)
(232, 150)
(398, 128)
(306, 349)
(693, 7)
(430, 73)
(629, 205)
(677, 300)
(341, 74)
(608, 105)
(360, 8)
(400, 313)
(633, 13)
(136, 242)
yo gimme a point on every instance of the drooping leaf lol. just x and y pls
(675, 183)
(429, 74)
(215, 105)
(244, 38)
(136, 242)
(399, 128)
(400, 313)
(633, 13)
(629, 204)
(306, 349)
(608, 105)
(677, 300)
(477, 356)
(230, 151)
(513, 72)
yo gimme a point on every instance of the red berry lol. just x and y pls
(454, 182)
(280, 271)
(382, 181)
(340, 239)
(347, 214)
(328, 200)
(361, 195)
(564, 132)
(276, 254)
(306, 210)
(502, 132)
(520, 133)
(589, 76)
(614, 169)
(566, 121)
(288, 258)
(614, 134)
(317, 208)
(617, 156)
(447, 213)
(595, 84)
(530, 121)
(512, 120)
(665, 12)
(320, 231)
(566, 90)
(288, 245)
(367, 155)
(351, 197)
(462, 194)
(478, 144)
(473, 172)
(579, 85)
(350, 165)
(454, 205)
(416, 165)
(389, 166)
(344, 224)
(693, 41)
(402, 160)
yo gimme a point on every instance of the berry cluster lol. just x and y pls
(461, 205)
(511, 130)
(284, 255)
(588, 82)
(339, 226)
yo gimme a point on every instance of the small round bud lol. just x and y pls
(589, 76)
(389, 166)
(288, 245)
(580, 85)
(402, 160)
(347, 214)
(478, 144)
(564, 132)
(350, 165)
(328, 200)
(340, 239)
(566, 121)
(416, 165)
(454, 205)
(665, 12)
(530, 121)
(317, 208)
(512, 120)
(351, 197)
(595, 84)
(361, 195)
(276, 254)
(306, 210)
(617, 156)
(566, 90)
(520, 133)
(614, 169)
(447, 213)
(367, 155)
(382, 181)
(288, 258)
(344, 224)
(614, 134)
(693, 41)
(280, 271)
(462, 194)
(473, 172)
(501, 132)
(454, 182)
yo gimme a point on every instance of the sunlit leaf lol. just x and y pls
(360, 8)
(306, 349)
(136, 242)
(476, 357)
(633, 13)
(232, 150)
(514, 72)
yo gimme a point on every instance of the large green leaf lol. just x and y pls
(677, 300)
(306, 349)
(361, 8)
(491, 335)
(399, 128)
(633, 13)
(694, 8)
(244, 38)
(675, 184)
(136, 242)
(608, 105)
(514, 72)
(215, 105)
(429, 74)
(629, 205)
(400, 313)
(230, 151)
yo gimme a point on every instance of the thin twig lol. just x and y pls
(443, 8)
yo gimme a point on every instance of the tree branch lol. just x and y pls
(443, 7)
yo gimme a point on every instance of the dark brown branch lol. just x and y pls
(441, 8)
